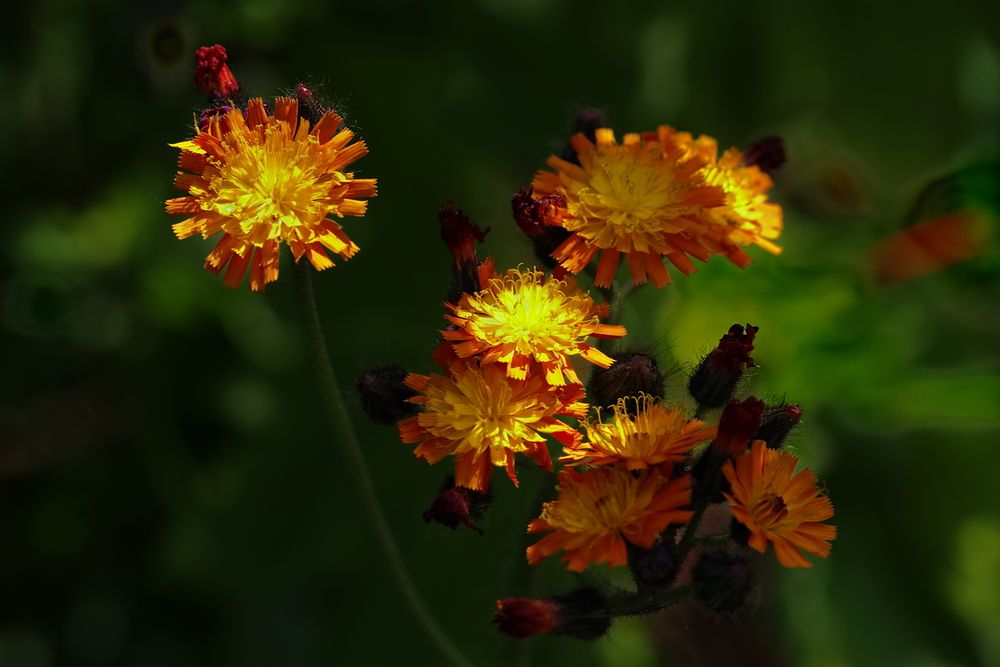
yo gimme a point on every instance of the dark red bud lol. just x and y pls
(522, 617)
(777, 423)
(456, 505)
(715, 379)
(739, 422)
(768, 154)
(383, 394)
(211, 73)
(461, 235)
(582, 613)
(722, 581)
(633, 373)
(588, 120)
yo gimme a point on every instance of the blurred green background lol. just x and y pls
(169, 491)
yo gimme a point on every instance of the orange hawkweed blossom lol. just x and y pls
(262, 179)
(656, 434)
(644, 198)
(531, 324)
(779, 507)
(599, 509)
(484, 418)
(747, 217)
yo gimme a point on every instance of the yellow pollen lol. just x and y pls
(268, 189)
(627, 191)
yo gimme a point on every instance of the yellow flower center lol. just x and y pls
(769, 512)
(535, 314)
(270, 189)
(610, 500)
(482, 410)
(627, 190)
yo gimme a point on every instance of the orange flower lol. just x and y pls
(641, 198)
(597, 510)
(656, 435)
(747, 216)
(261, 179)
(529, 323)
(778, 507)
(484, 419)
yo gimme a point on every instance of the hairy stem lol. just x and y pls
(345, 436)
(640, 603)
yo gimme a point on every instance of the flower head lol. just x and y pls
(599, 509)
(531, 324)
(641, 435)
(263, 178)
(779, 507)
(639, 198)
(747, 216)
(485, 418)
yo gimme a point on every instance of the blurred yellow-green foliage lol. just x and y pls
(169, 492)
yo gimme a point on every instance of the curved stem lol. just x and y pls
(348, 440)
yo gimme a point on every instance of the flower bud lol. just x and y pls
(534, 217)
(768, 154)
(713, 382)
(739, 533)
(588, 120)
(212, 75)
(460, 235)
(311, 107)
(207, 114)
(583, 614)
(633, 373)
(522, 617)
(739, 422)
(777, 423)
(654, 566)
(457, 505)
(722, 581)
(383, 394)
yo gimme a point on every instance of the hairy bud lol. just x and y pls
(582, 613)
(456, 505)
(722, 581)
(715, 379)
(632, 374)
(383, 393)
(778, 422)
(768, 154)
(461, 235)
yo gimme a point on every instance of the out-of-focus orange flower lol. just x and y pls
(778, 506)
(931, 245)
(484, 418)
(531, 324)
(262, 179)
(747, 217)
(599, 509)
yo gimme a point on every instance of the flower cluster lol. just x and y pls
(528, 356)
(655, 196)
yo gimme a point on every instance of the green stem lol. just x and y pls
(525, 577)
(348, 440)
